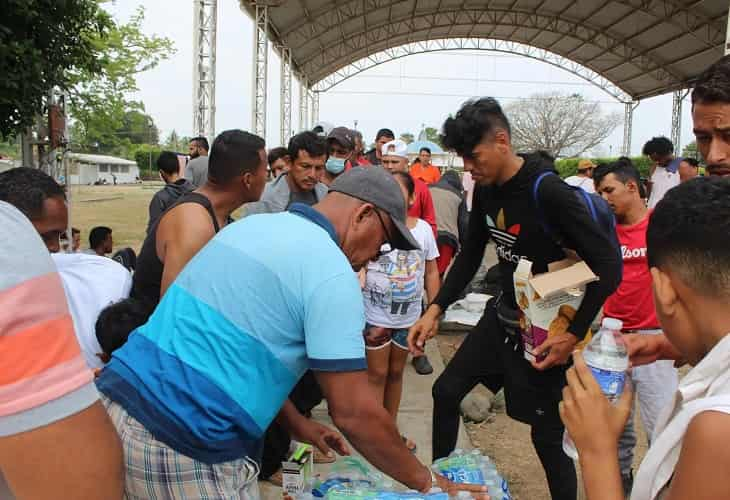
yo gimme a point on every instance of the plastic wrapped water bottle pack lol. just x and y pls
(351, 479)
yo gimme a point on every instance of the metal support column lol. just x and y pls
(303, 103)
(315, 107)
(285, 95)
(677, 97)
(628, 127)
(260, 61)
(727, 36)
(205, 22)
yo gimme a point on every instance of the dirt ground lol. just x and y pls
(507, 442)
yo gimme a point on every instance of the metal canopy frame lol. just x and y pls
(205, 23)
(303, 103)
(260, 72)
(330, 34)
(325, 42)
(493, 45)
(285, 89)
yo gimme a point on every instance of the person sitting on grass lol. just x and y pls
(101, 242)
(689, 260)
(393, 292)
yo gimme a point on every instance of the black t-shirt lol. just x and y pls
(507, 215)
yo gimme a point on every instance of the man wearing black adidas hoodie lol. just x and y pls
(504, 210)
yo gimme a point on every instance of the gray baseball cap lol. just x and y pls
(375, 185)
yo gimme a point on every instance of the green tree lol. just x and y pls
(176, 143)
(432, 135)
(139, 128)
(690, 151)
(45, 44)
(99, 104)
(407, 137)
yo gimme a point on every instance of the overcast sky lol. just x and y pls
(402, 94)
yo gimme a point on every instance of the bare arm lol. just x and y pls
(704, 459)
(646, 349)
(308, 431)
(432, 279)
(180, 235)
(79, 455)
(370, 428)
(595, 426)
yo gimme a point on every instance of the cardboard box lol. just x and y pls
(297, 471)
(549, 301)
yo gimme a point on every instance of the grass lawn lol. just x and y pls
(122, 208)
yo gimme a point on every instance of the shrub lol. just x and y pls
(569, 166)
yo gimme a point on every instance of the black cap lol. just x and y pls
(343, 136)
(375, 185)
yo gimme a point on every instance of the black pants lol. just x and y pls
(305, 396)
(531, 397)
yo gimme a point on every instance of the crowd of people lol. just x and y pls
(186, 371)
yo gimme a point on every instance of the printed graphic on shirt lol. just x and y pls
(504, 237)
(401, 268)
(633, 253)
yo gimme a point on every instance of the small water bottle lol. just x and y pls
(608, 360)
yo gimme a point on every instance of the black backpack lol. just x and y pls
(598, 208)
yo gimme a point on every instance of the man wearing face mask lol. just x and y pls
(340, 146)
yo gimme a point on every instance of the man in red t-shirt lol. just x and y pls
(633, 302)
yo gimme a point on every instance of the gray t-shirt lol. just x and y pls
(196, 171)
(306, 197)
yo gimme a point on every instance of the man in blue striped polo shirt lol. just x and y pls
(192, 391)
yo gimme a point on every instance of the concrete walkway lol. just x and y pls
(414, 418)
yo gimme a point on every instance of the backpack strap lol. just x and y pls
(587, 199)
(536, 201)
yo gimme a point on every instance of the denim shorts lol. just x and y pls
(398, 336)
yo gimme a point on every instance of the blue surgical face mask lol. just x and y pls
(335, 166)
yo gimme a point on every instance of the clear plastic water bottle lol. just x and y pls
(608, 360)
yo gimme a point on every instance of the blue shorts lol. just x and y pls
(378, 340)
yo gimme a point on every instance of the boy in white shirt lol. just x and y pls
(689, 261)
(584, 179)
(664, 173)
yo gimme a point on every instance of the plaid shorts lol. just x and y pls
(156, 471)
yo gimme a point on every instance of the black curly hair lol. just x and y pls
(688, 233)
(27, 188)
(118, 320)
(713, 85)
(475, 119)
(658, 145)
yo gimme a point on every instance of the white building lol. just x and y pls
(88, 169)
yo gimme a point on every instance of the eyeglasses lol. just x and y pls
(382, 252)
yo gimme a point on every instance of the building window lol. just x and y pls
(103, 169)
(124, 169)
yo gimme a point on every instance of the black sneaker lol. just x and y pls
(422, 365)
(627, 482)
